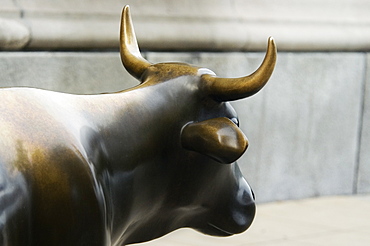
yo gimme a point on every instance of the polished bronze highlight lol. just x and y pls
(126, 167)
(217, 138)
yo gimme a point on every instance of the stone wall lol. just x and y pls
(308, 129)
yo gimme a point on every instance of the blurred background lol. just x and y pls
(308, 128)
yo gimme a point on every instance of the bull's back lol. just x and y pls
(49, 191)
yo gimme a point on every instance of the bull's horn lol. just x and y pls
(131, 58)
(218, 138)
(228, 89)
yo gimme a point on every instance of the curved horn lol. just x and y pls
(228, 89)
(131, 58)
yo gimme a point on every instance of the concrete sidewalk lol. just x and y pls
(340, 220)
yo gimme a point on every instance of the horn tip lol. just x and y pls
(126, 10)
(271, 42)
(271, 46)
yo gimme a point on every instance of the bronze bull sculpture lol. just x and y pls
(126, 167)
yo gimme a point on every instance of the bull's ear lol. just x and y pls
(218, 138)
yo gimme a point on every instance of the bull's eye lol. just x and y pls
(235, 120)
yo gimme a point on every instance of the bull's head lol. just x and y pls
(210, 140)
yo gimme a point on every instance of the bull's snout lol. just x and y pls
(241, 210)
(244, 208)
(235, 212)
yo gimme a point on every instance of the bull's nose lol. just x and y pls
(236, 212)
(244, 207)
(239, 219)
(243, 217)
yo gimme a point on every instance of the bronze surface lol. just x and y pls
(126, 167)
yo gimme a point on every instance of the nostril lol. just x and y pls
(245, 194)
(245, 197)
(254, 197)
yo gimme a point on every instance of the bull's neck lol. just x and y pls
(132, 125)
(128, 130)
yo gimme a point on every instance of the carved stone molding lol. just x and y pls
(333, 25)
(13, 34)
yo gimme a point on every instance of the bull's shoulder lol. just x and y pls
(64, 197)
(40, 142)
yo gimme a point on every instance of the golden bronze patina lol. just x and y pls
(126, 167)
